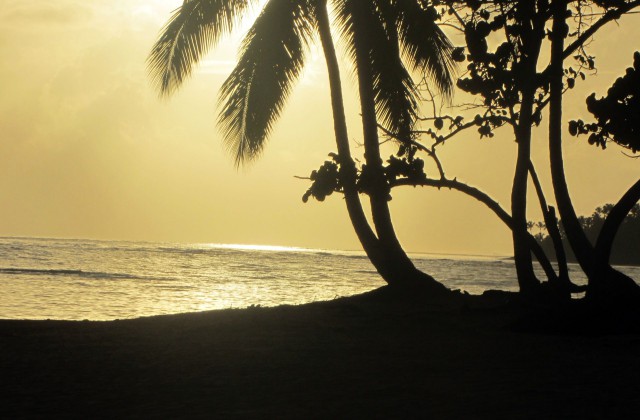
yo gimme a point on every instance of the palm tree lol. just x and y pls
(379, 35)
(271, 60)
(605, 283)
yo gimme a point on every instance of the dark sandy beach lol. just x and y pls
(370, 356)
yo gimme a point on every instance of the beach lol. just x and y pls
(374, 355)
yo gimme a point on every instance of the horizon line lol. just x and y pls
(246, 246)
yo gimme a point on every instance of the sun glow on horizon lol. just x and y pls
(248, 247)
(90, 151)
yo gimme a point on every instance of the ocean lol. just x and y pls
(68, 279)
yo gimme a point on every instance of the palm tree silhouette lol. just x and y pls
(378, 34)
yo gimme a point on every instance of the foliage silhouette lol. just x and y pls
(386, 40)
(377, 34)
(616, 114)
(512, 88)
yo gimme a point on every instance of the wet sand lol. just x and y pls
(372, 356)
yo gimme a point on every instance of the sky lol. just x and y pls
(89, 150)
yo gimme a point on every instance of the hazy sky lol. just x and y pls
(87, 150)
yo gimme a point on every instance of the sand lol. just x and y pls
(370, 356)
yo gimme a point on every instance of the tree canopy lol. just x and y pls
(616, 113)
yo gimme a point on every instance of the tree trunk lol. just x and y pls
(613, 221)
(575, 234)
(527, 280)
(606, 285)
(347, 167)
(616, 287)
(384, 262)
(379, 189)
(561, 282)
(531, 39)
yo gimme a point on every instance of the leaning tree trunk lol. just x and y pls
(575, 234)
(561, 283)
(613, 221)
(379, 190)
(618, 287)
(379, 255)
(605, 284)
(529, 284)
(347, 167)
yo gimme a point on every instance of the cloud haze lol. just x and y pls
(87, 149)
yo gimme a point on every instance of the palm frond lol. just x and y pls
(271, 60)
(424, 45)
(193, 28)
(371, 40)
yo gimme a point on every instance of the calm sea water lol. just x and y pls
(104, 280)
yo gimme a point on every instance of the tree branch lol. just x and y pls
(430, 152)
(610, 15)
(493, 205)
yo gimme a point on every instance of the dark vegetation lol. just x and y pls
(616, 113)
(626, 247)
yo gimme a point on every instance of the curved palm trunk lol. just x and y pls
(605, 284)
(379, 189)
(371, 244)
(613, 221)
(575, 234)
(347, 166)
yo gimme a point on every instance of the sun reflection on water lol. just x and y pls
(245, 247)
(102, 280)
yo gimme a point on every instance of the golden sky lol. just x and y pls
(87, 150)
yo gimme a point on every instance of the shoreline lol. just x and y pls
(370, 355)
